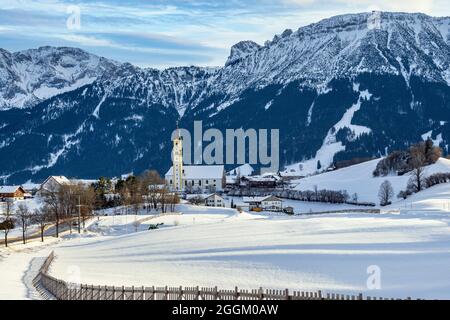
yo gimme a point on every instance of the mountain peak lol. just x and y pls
(242, 50)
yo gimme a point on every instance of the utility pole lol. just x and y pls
(79, 214)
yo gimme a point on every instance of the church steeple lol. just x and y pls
(178, 162)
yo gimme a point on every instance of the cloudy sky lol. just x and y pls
(162, 33)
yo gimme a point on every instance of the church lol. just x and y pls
(181, 178)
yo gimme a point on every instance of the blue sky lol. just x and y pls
(164, 33)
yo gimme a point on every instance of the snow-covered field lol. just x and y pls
(209, 247)
(359, 179)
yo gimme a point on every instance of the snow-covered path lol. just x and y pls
(17, 271)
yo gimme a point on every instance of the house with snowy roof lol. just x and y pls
(267, 203)
(214, 200)
(267, 180)
(233, 177)
(53, 183)
(11, 193)
(199, 178)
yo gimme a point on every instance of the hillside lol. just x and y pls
(359, 179)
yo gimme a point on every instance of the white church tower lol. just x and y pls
(178, 163)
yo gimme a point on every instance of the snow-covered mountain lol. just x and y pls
(348, 86)
(31, 76)
(241, 50)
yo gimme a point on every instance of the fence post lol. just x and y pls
(360, 296)
(261, 294)
(236, 293)
(180, 296)
(286, 294)
(216, 293)
(197, 293)
(320, 294)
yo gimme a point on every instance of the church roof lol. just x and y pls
(201, 172)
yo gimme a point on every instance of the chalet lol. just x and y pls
(199, 178)
(11, 193)
(268, 203)
(268, 180)
(53, 183)
(214, 200)
(234, 176)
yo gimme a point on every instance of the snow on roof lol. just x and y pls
(264, 178)
(61, 179)
(260, 199)
(8, 189)
(231, 179)
(201, 172)
(244, 170)
(253, 199)
(212, 195)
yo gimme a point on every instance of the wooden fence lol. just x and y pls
(371, 211)
(62, 290)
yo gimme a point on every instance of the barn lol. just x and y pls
(12, 193)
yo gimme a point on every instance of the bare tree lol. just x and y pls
(173, 201)
(24, 216)
(416, 182)
(52, 202)
(7, 223)
(386, 193)
(43, 218)
(87, 201)
(151, 185)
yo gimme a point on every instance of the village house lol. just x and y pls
(53, 183)
(268, 203)
(12, 193)
(268, 180)
(214, 200)
(234, 176)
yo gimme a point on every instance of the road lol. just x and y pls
(50, 231)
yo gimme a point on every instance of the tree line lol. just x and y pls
(66, 205)
(401, 162)
(147, 191)
(70, 205)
